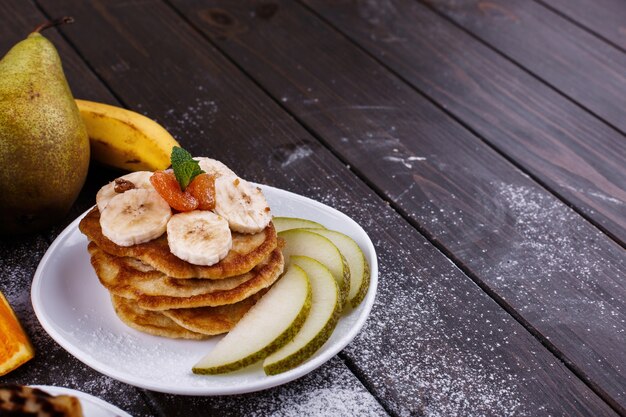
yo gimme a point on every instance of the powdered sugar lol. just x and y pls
(299, 152)
(190, 120)
(17, 263)
(435, 344)
(425, 350)
(331, 390)
(407, 162)
(52, 365)
(327, 401)
(541, 255)
(417, 373)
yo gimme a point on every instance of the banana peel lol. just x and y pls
(124, 139)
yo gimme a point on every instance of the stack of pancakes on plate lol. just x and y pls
(155, 292)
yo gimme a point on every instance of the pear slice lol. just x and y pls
(269, 325)
(319, 325)
(306, 243)
(359, 268)
(287, 223)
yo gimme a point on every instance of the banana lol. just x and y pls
(200, 237)
(124, 139)
(134, 217)
(214, 167)
(139, 179)
(242, 204)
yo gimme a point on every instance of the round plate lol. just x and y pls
(92, 406)
(76, 311)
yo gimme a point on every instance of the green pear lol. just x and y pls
(359, 268)
(287, 223)
(303, 242)
(319, 324)
(268, 326)
(44, 147)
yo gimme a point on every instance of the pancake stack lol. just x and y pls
(156, 292)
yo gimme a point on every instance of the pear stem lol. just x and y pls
(52, 23)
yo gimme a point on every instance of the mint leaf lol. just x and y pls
(184, 166)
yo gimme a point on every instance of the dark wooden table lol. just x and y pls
(481, 144)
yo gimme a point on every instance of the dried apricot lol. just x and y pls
(203, 189)
(166, 185)
(15, 349)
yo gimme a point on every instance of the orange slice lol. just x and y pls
(15, 348)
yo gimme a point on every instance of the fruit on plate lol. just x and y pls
(306, 243)
(15, 348)
(135, 216)
(287, 223)
(359, 268)
(214, 167)
(269, 325)
(168, 187)
(199, 237)
(320, 323)
(125, 139)
(44, 147)
(242, 204)
(139, 179)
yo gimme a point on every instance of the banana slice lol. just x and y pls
(140, 179)
(214, 167)
(200, 237)
(242, 204)
(135, 216)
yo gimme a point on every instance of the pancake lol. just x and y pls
(23, 401)
(133, 277)
(126, 281)
(246, 253)
(150, 321)
(212, 320)
(265, 275)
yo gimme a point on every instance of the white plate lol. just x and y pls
(76, 311)
(92, 406)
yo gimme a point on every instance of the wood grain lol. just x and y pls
(19, 256)
(607, 18)
(19, 259)
(575, 155)
(434, 341)
(578, 64)
(521, 243)
(330, 391)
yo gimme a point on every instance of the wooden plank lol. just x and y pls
(58, 367)
(435, 341)
(575, 62)
(515, 238)
(329, 391)
(19, 257)
(52, 365)
(575, 155)
(607, 18)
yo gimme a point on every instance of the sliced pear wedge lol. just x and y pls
(287, 223)
(306, 243)
(359, 268)
(320, 323)
(268, 326)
